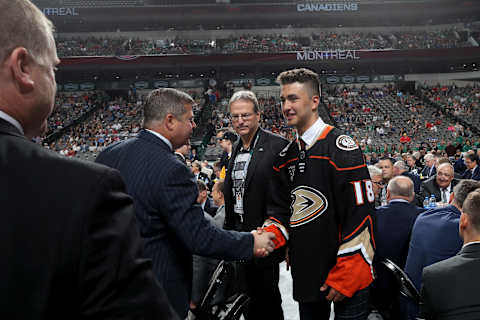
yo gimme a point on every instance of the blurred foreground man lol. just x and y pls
(69, 240)
(323, 197)
(450, 287)
(172, 223)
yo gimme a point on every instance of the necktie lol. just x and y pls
(444, 195)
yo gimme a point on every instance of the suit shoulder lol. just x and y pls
(439, 269)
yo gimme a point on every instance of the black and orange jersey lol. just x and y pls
(323, 195)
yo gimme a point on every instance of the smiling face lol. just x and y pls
(299, 106)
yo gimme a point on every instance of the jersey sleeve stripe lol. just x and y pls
(283, 165)
(336, 167)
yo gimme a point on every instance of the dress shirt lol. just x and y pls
(169, 144)
(448, 192)
(12, 121)
(312, 133)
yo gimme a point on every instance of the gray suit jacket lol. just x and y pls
(171, 222)
(450, 287)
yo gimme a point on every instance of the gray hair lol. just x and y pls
(161, 102)
(428, 157)
(22, 24)
(462, 189)
(401, 186)
(247, 96)
(400, 164)
(471, 207)
(374, 171)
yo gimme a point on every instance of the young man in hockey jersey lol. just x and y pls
(322, 204)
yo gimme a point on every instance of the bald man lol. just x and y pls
(394, 224)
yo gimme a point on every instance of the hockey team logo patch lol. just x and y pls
(307, 205)
(346, 143)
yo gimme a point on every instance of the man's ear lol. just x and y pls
(462, 225)
(316, 102)
(170, 121)
(21, 66)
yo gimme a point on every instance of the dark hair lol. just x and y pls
(471, 207)
(230, 136)
(463, 188)
(303, 76)
(201, 186)
(387, 158)
(472, 157)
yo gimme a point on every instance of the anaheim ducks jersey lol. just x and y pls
(324, 197)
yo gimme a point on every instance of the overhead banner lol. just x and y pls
(361, 79)
(309, 55)
(60, 11)
(327, 6)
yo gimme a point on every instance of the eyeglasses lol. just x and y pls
(244, 116)
(379, 183)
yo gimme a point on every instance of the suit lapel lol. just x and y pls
(7, 128)
(256, 155)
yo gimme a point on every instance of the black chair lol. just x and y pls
(406, 286)
(221, 302)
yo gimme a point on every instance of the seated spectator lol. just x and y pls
(377, 182)
(440, 185)
(450, 287)
(203, 268)
(429, 169)
(394, 224)
(435, 233)
(473, 171)
(401, 168)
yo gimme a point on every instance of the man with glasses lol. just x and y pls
(246, 192)
(471, 162)
(377, 183)
(440, 185)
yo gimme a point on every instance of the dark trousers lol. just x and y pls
(354, 308)
(262, 288)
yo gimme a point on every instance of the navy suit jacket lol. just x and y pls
(434, 238)
(171, 222)
(468, 174)
(450, 287)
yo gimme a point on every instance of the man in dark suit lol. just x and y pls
(246, 192)
(165, 194)
(473, 171)
(70, 244)
(450, 287)
(401, 168)
(440, 185)
(429, 169)
(394, 224)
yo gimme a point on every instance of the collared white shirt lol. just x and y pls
(467, 244)
(169, 144)
(312, 133)
(399, 200)
(12, 121)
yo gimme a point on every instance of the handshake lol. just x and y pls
(263, 242)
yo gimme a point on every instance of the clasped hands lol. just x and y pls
(263, 242)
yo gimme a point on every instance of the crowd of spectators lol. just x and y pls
(463, 102)
(69, 107)
(268, 43)
(383, 120)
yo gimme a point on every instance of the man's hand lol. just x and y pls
(333, 295)
(263, 243)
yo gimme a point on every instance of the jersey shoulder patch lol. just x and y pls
(346, 143)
